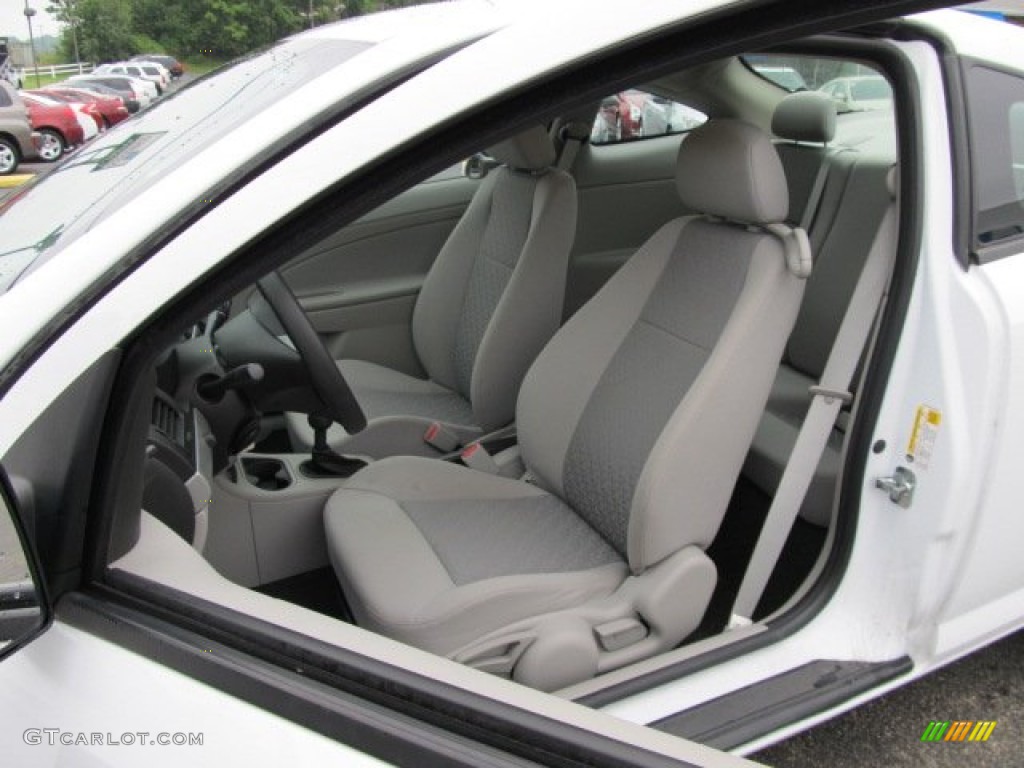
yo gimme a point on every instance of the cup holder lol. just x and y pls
(268, 474)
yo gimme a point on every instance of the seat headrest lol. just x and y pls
(805, 116)
(730, 168)
(531, 150)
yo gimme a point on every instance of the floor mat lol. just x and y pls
(317, 590)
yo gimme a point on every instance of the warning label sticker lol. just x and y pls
(923, 436)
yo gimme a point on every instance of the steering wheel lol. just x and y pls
(328, 382)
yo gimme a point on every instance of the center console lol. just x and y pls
(266, 518)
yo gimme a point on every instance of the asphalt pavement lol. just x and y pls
(887, 732)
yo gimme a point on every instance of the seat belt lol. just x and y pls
(818, 188)
(829, 396)
(573, 136)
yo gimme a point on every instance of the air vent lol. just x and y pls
(168, 420)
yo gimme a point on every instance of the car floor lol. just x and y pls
(317, 590)
(731, 551)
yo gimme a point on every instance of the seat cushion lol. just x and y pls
(438, 555)
(384, 392)
(398, 410)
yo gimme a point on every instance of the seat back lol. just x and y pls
(494, 295)
(641, 408)
(805, 124)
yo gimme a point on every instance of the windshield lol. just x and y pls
(93, 184)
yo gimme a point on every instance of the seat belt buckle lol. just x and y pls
(441, 438)
(475, 456)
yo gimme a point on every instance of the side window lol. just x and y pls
(634, 114)
(1017, 147)
(995, 104)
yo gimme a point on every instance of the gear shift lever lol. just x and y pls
(325, 461)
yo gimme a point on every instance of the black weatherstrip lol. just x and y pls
(393, 714)
(749, 713)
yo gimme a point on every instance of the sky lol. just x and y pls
(12, 19)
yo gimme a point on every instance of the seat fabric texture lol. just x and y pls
(633, 424)
(490, 302)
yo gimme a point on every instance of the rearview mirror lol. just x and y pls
(23, 606)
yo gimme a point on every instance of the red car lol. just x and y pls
(110, 109)
(57, 125)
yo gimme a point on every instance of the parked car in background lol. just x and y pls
(144, 70)
(109, 108)
(175, 67)
(85, 109)
(58, 126)
(17, 139)
(142, 91)
(127, 98)
(859, 93)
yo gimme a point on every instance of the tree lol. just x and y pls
(105, 29)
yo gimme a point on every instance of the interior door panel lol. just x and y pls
(626, 191)
(360, 286)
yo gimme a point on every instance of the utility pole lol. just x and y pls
(29, 13)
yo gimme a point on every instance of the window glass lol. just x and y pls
(995, 102)
(855, 87)
(1017, 147)
(635, 114)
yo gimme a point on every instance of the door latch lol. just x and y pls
(900, 486)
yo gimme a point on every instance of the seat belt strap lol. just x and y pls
(818, 189)
(828, 398)
(814, 198)
(573, 136)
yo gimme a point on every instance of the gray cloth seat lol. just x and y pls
(633, 424)
(490, 302)
(847, 213)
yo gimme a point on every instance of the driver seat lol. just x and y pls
(633, 423)
(490, 302)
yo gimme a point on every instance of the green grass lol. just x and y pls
(200, 66)
(44, 79)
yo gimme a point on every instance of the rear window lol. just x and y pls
(636, 114)
(874, 88)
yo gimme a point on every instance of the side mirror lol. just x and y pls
(24, 609)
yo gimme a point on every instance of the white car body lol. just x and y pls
(948, 567)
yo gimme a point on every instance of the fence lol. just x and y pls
(57, 69)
